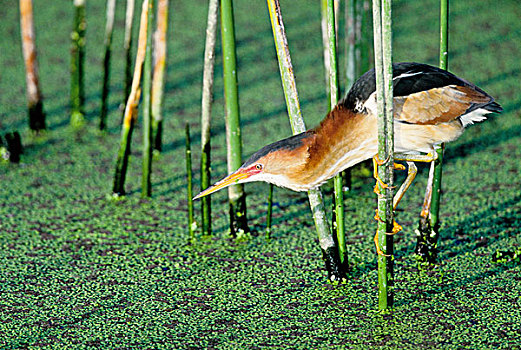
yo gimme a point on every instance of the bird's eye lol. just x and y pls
(258, 166)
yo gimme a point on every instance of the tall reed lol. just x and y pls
(109, 28)
(339, 223)
(146, 186)
(77, 96)
(336, 273)
(158, 75)
(130, 115)
(192, 224)
(206, 113)
(34, 94)
(236, 195)
(384, 93)
(428, 229)
(127, 47)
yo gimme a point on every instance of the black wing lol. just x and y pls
(416, 81)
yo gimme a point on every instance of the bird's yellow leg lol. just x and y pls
(410, 159)
(378, 250)
(425, 158)
(426, 208)
(377, 162)
(411, 174)
(396, 228)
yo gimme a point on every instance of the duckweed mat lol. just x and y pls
(82, 270)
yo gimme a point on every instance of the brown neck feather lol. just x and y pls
(343, 133)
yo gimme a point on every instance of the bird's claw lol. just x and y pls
(377, 162)
(396, 228)
(378, 250)
(398, 166)
(379, 183)
(376, 216)
(382, 184)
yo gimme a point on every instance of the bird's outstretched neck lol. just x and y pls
(343, 139)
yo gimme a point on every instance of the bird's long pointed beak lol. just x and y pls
(229, 180)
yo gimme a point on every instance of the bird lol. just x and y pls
(430, 106)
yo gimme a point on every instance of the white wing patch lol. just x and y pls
(359, 106)
(370, 104)
(405, 75)
(474, 117)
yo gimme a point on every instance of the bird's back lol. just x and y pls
(417, 84)
(431, 105)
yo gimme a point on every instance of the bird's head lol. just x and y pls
(280, 163)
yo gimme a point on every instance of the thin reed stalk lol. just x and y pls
(351, 39)
(384, 93)
(236, 195)
(158, 77)
(77, 97)
(325, 44)
(127, 46)
(327, 243)
(130, 115)
(146, 186)
(428, 228)
(339, 222)
(109, 28)
(206, 113)
(192, 224)
(34, 94)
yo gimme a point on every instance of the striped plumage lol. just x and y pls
(431, 106)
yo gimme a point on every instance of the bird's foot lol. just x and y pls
(398, 166)
(377, 216)
(379, 183)
(396, 228)
(378, 250)
(378, 161)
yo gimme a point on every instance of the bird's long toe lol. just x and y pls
(378, 250)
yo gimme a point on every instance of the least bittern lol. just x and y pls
(431, 106)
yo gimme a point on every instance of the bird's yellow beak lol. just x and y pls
(229, 180)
